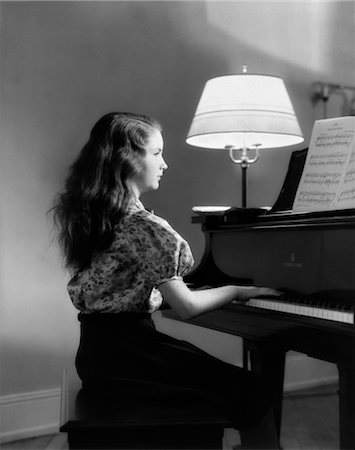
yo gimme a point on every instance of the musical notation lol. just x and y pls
(347, 195)
(328, 178)
(350, 176)
(332, 160)
(316, 198)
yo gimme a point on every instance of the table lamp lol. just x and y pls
(243, 114)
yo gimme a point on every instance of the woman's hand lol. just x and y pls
(247, 292)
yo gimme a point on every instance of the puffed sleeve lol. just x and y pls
(165, 255)
(181, 264)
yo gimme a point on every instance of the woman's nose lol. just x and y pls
(164, 165)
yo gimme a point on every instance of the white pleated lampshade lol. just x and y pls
(243, 111)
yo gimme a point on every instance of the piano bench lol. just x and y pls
(95, 421)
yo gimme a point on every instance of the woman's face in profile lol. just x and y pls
(152, 166)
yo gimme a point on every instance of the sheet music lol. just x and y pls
(328, 178)
(346, 198)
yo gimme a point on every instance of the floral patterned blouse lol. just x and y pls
(146, 251)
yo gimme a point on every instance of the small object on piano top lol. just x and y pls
(231, 210)
(210, 209)
(245, 214)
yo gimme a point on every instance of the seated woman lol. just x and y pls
(125, 263)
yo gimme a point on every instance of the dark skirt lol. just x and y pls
(124, 354)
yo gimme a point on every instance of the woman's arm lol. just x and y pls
(188, 303)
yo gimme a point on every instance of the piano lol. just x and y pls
(310, 257)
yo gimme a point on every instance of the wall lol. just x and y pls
(64, 64)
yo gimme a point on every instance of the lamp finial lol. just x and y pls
(245, 68)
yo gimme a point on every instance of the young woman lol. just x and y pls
(126, 262)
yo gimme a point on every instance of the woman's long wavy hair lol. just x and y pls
(97, 191)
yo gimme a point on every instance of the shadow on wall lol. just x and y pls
(66, 64)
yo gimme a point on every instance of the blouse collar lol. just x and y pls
(135, 206)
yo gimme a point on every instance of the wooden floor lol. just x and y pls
(309, 422)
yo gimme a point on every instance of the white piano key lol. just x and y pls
(303, 310)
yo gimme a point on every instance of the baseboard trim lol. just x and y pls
(29, 414)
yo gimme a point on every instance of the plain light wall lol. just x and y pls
(64, 64)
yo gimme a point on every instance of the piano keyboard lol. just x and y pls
(301, 307)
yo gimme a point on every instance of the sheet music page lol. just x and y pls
(328, 178)
(346, 197)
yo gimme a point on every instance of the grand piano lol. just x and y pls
(310, 257)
